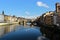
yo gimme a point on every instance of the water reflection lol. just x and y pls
(6, 29)
(21, 31)
(1, 30)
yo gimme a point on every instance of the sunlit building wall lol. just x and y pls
(7, 18)
(1, 18)
(13, 19)
(48, 18)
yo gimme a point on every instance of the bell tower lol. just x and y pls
(3, 12)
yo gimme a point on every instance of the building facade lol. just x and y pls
(57, 19)
(48, 18)
(13, 19)
(7, 18)
(1, 18)
(58, 7)
(10, 19)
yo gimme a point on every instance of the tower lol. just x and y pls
(3, 12)
(57, 7)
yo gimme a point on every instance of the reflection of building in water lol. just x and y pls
(1, 31)
(9, 28)
(6, 29)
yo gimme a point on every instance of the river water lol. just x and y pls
(20, 32)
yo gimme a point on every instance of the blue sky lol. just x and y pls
(27, 8)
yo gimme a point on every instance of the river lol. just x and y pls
(20, 32)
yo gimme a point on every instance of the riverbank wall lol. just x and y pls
(1, 24)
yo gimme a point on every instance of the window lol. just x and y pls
(59, 8)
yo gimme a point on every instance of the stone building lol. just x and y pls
(56, 19)
(48, 18)
(58, 7)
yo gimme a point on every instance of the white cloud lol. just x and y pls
(42, 4)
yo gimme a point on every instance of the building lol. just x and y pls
(20, 19)
(1, 18)
(51, 18)
(10, 19)
(13, 19)
(56, 19)
(4, 17)
(48, 18)
(57, 7)
(57, 15)
(7, 18)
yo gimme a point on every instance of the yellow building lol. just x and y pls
(14, 19)
(48, 18)
(7, 18)
(49, 13)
